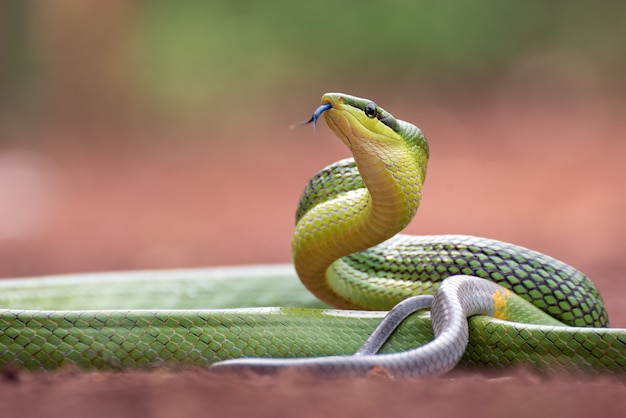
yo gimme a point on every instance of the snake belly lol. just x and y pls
(347, 252)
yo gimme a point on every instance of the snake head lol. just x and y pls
(361, 123)
(365, 127)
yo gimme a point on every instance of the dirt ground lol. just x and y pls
(550, 178)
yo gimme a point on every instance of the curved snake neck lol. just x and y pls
(375, 196)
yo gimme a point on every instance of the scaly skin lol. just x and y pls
(351, 206)
(347, 253)
(108, 321)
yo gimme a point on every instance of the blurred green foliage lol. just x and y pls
(182, 54)
(243, 44)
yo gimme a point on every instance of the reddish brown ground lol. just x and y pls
(549, 177)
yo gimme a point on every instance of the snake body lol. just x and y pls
(347, 253)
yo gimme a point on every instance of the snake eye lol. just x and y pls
(370, 110)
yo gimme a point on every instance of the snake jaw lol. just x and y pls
(342, 130)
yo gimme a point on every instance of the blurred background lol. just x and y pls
(154, 134)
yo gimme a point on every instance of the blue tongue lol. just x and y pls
(316, 115)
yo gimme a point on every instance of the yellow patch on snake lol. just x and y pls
(499, 303)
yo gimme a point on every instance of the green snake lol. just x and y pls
(346, 252)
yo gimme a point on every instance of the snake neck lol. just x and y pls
(359, 218)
